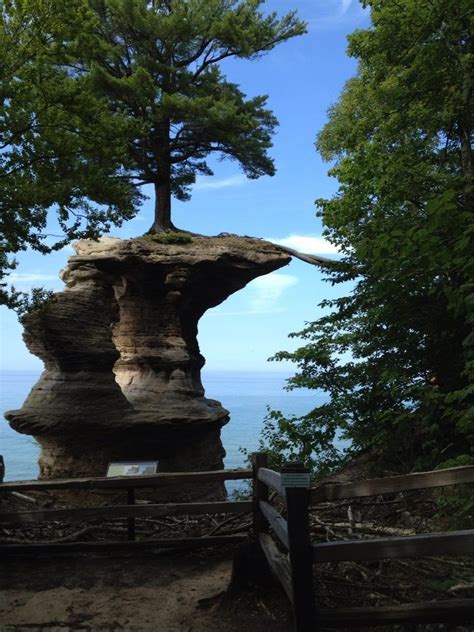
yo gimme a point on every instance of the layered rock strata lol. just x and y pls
(122, 362)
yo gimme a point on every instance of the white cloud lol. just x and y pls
(208, 183)
(25, 281)
(344, 6)
(139, 218)
(308, 244)
(269, 289)
(338, 14)
(265, 293)
(31, 277)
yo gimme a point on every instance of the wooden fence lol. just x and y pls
(295, 570)
(294, 566)
(131, 511)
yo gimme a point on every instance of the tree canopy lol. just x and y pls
(396, 356)
(156, 63)
(99, 97)
(61, 151)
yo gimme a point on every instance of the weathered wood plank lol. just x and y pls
(125, 482)
(278, 563)
(259, 493)
(452, 543)
(393, 484)
(35, 548)
(124, 511)
(452, 611)
(277, 522)
(271, 478)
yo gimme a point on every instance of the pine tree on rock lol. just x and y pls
(157, 64)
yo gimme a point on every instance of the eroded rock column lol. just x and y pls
(122, 362)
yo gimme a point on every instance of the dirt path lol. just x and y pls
(163, 594)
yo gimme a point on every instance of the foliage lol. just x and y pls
(61, 150)
(456, 504)
(456, 507)
(33, 303)
(297, 439)
(98, 97)
(156, 63)
(396, 356)
(169, 237)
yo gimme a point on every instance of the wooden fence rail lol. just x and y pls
(271, 478)
(126, 482)
(276, 522)
(393, 484)
(292, 569)
(124, 511)
(449, 611)
(53, 548)
(451, 543)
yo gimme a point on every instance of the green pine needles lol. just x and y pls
(101, 97)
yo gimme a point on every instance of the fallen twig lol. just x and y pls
(461, 587)
(224, 522)
(24, 497)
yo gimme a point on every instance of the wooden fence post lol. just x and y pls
(249, 565)
(295, 479)
(260, 492)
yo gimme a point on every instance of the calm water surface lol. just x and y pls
(245, 395)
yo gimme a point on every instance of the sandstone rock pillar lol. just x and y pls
(122, 362)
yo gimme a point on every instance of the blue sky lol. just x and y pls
(303, 78)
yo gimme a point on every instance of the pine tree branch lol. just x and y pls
(314, 260)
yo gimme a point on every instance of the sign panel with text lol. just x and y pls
(132, 468)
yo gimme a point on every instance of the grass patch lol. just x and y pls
(169, 237)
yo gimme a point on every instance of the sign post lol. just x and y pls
(295, 479)
(132, 468)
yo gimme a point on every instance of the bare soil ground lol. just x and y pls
(178, 593)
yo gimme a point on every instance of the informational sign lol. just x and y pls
(132, 468)
(295, 479)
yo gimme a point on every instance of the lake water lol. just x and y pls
(245, 395)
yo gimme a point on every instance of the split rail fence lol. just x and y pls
(131, 511)
(295, 570)
(292, 560)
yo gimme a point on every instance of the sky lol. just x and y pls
(302, 78)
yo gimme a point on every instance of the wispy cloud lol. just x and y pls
(31, 277)
(331, 14)
(25, 281)
(344, 6)
(309, 244)
(269, 289)
(203, 184)
(265, 294)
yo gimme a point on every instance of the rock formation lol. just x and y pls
(122, 361)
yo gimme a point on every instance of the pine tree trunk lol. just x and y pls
(162, 220)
